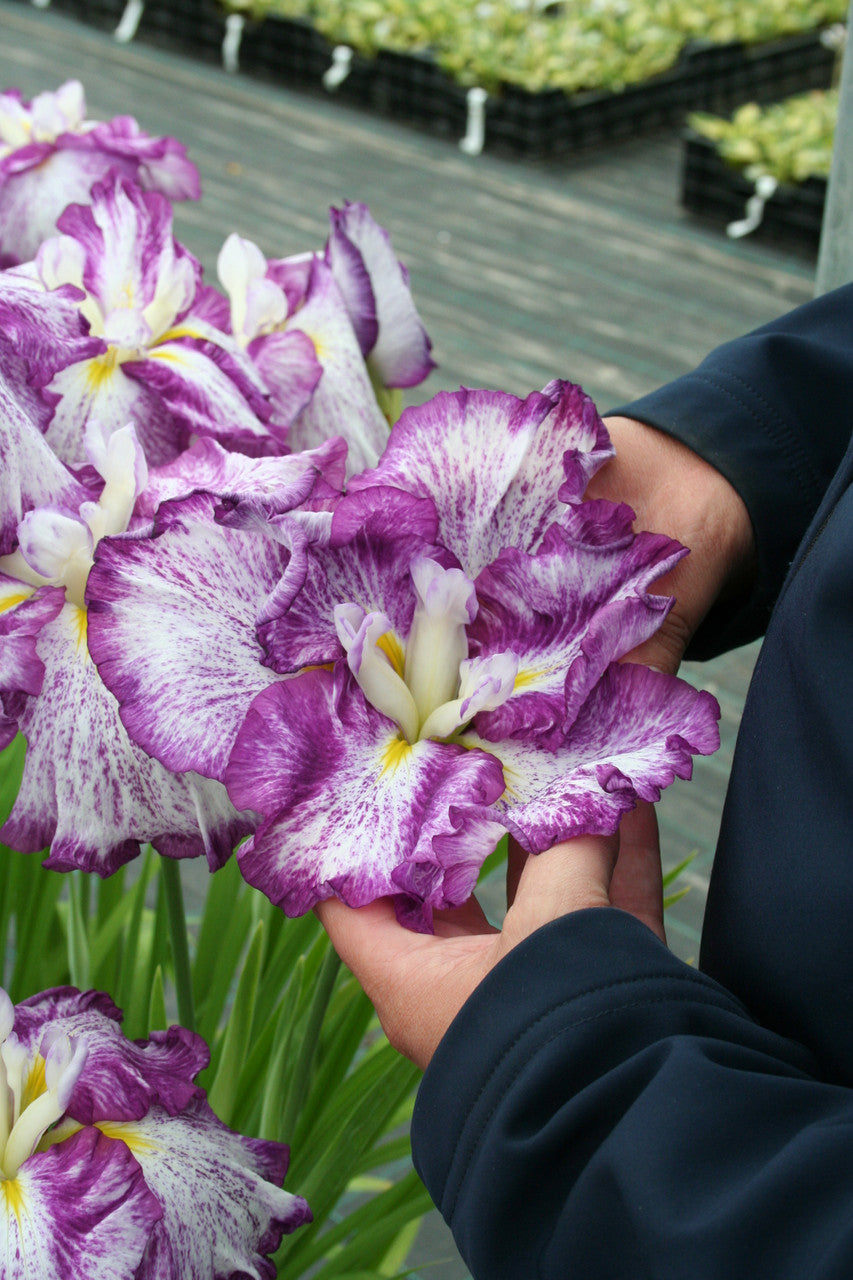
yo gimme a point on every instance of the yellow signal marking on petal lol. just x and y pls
(14, 1196)
(393, 650)
(80, 623)
(14, 598)
(101, 368)
(395, 754)
(526, 678)
(179, 331)
(126, 1132)
(35, 1083)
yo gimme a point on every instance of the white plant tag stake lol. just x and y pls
(129, 24)
(765, 187)
(234, 24)
(340, 68)
(475, 130)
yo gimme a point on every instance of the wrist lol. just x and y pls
(673, 490)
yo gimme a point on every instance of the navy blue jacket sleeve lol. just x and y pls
(599, 1109)
(772, 412)
(615, 1113)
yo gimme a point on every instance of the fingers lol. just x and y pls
(637, 882)
(569, 877)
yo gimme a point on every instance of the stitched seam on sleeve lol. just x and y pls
(474, 1142)
(797, 458)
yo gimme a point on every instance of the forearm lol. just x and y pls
(600, 1109)
(770, 413)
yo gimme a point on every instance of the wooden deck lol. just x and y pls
(585, 270)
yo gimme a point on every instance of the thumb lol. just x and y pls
(569, 877)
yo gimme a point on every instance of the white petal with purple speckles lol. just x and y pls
(79, 1209)
(348, 803)
(30, 473)
(87, 791)
(23, 613)
(222, 1216)
(133, 270)
(492, 463)
(343, 403)
(201, 396)
(172, 630)
(99, 388)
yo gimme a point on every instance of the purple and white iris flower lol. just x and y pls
(291, 318)
(112, 1164)
(438, 660)
(51, 156)
(156, 362)
(89, 794)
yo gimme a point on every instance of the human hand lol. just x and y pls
(419, 982)
(674, 491)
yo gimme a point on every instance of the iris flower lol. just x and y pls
(440, 659)
(51, 156)
(156, 362)
(112, 1164)
(89, 794)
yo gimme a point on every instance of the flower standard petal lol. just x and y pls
(343, 402)
(361, 257)
(222, 1212)
(492, 464)
(79, 1209)
(347, 809)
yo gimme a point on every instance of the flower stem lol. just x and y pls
(171, 872)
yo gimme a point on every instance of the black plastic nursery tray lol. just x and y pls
(413, 89)
(716, 192)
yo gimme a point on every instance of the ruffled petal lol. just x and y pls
(350, 808)
(635, 734)
(91, 794)
(160, 163)
(493, 464)
(569, 611)
(222, 1216)
(172, 630)
(81, 1209)
(374, 538)
(266, 486)
(122, 1078)
(100, 389)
